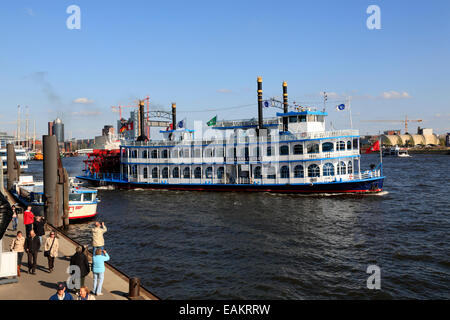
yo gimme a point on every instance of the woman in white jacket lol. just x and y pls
(51, 250)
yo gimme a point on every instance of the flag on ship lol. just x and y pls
(182, 124)
(212, 122)
(374, 147)
(127, 126)
(341, 107)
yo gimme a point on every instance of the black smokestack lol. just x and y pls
(260, 104)
(174, 115)
(142, 136)
(285, 106)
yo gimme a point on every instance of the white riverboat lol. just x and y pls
(21, 156)
(82, 201)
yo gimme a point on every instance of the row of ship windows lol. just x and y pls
(313, 170)
(297, 149)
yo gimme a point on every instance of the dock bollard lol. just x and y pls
(134, 288)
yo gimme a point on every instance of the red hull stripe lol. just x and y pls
(82, 217)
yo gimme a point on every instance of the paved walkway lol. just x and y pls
(42, 285)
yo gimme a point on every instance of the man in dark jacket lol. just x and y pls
(32, 245)
(61, 293)
(38, 227)
(79, 259)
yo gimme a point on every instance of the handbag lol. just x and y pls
(47, 252)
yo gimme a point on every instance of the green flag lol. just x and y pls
(212, 122)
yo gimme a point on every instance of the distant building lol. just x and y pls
(423, 137)
(107, 129)
(5, 139)
(56, 128)
(392, 132)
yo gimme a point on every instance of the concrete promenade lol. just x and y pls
(42, 285)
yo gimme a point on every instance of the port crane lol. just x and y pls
(396, 121)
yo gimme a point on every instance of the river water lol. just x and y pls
(194, 245)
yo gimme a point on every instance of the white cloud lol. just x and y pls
(83, 101)
(85, 113)
(395, 95)
(224, 91)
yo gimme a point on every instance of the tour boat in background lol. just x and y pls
(82, 201)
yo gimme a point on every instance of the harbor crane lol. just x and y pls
(396, 121)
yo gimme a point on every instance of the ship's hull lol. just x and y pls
(371, 185)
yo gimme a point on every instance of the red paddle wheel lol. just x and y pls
(103, 162)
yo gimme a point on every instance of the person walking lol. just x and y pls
(15, 218)
(32, 246)
(85, 294)
(18, 245)
(28, 219)
(79, 259)
(51, 250)
(61, 293)
(98, 242)
(38, 227)
(98, 268)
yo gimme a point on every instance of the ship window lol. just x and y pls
(355, 144)
(209, 172)
(198, 173)
(134, 154)
(328, 169)
(145, 154)
(327, 147)
(155, 172)
(271, 173)
(219, 152)
(164, 154)
(186, 173)
(298, 149)
(220, 172)
(134, 171)
(176, 172)
(341, 169)
(298, 172)
(88, 197)
(302, 118)
(231, 152)
(75, 197)
(165, 172)
(145, 173)
(340, 146)
(284, 172)
(208, 153)
(293, 119)
(257, 173)
(312, 147)
(186, 153)
(255, 152)
(349, 145)
(197, 153)
(313, 171)
(155, 154)
(174, 153)
(284, 150)
(350, 167)
(270, 151)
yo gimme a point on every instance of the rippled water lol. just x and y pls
(194, 245)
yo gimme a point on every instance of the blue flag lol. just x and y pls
(340, 107)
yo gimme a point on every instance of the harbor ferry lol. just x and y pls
(21, 156)
(290, 153)
(82, 201)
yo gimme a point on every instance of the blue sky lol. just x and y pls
(206, 55)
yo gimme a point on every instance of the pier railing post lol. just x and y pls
(50, 179)
(12, 170)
